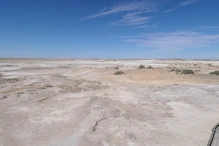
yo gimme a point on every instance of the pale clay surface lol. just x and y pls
(45, 102)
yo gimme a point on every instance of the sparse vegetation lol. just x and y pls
(141, 67)
(150, 67)
(187, 71)
(119, 73)
(116, 67)
(1, 74)
(214, 73)
(182, 71)
(176, 70)
(209, 64)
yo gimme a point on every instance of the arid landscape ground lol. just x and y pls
(70, 102)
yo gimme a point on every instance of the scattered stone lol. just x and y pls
(46, 86)
(19, 94)
(4, 97)
(4, 81)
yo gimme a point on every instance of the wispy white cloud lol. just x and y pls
(135, 19)
(187, 2)
(182, 4)
(200, 29)
(132, 20)
(207, 27)
(173, 40)
(137, 13)
(139, 6)
(146, 25)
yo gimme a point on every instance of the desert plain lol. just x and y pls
(80, 102)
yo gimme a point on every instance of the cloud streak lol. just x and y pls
(173, 40)
(138, 6)
(132, 20)
(182, 4)
(187, 2)
(207, 27)
(137, 13)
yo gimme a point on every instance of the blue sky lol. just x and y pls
(144, 29)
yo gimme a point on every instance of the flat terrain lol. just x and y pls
(51, 102)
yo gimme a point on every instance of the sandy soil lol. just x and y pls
(51, 102)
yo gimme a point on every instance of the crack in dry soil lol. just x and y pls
(94, 128)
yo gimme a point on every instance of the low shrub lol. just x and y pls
(187, 71)
(150, 67)
(116, 67)
(119, 73)
(141, 67)
(176, 70)
(214, 73)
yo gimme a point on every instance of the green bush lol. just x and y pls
(214, 73)
(187, 71)
(119, 73)
(141, 67)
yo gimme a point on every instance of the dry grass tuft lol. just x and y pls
(214, 73)
(150, 67)
(141, 67)
(119, 73)
(187, 71)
